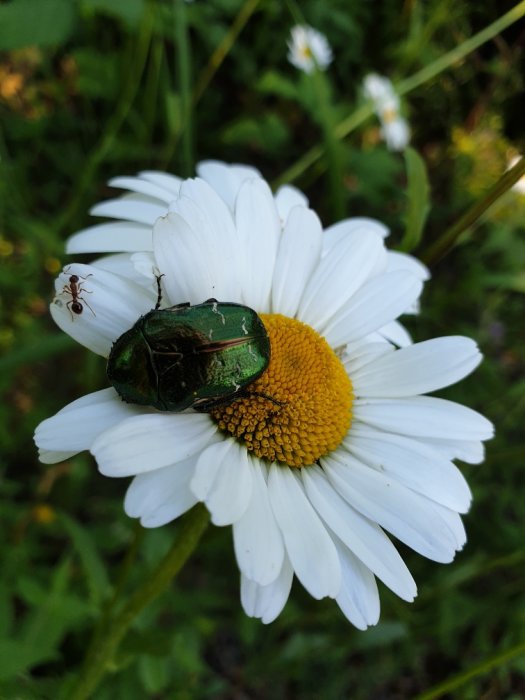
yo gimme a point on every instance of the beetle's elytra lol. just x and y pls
(189, 356)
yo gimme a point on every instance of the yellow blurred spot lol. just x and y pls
(7, 337)
(6, 248)
(11, 84)
(390, 115)
(43, 514)
(53, 265)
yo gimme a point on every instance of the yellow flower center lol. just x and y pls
(389, 115)
(306, 52)
(299, 409)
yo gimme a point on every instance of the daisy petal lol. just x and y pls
(424, 416)
(111, 306)
(160, 496)
(340, 273)
(470, 451)
(168, 182)
(348, 227)
(212, 223)
(297, 257)
(226, 179)
(358, 597)
(266, 602)
(412, 464)
(259, 227)
(145, 211)
(396, 333)
(125, 265)
(286, 198)
(308, 544)
(52, 456)
(359, 354)
(258, 542)
(142, 186)
(362, 537)
(407, 263)
(75, 427)
(379, 301)
(405, 514)
(418, 369)
(151, 441)
(120, 236)
(179, 249)
(223, 480)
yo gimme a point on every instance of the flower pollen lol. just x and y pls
(299, 409)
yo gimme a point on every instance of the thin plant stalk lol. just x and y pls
(450, 237)
(183, 68)
(331, 143)
(224, 48)
(139, 54)
(104, 646)
(354, 120)
(460, 679)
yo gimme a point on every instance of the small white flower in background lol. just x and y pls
(308, 49)
(347, 447)
(394, 128)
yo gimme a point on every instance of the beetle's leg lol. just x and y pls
(159, 291)
(264, 396)
(182, 305)
(207, 405)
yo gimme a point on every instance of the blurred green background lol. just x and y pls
(90, 89)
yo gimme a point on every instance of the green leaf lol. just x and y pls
(96, 576)
(418, 194)
(154, 673)
(273, 83)
(54, 610)
(17, 656)
(36, 23)
(127, 11)
(266, 133)
(97, 74)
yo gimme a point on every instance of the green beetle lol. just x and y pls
(185, 356)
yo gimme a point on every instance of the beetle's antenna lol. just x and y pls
(159, 291)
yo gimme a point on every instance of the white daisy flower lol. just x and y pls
(377, 88)
(394, 128)
(334, 444)
(309, 49)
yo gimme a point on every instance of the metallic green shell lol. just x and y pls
(189, 356)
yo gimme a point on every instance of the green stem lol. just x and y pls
(184, 78)
(100, 656)
(223, 49)
(355, 119)
(333, 151)
(445, 242)
(480, 669)
(138, 55)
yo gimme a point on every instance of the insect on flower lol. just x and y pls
(188, 356)
(75, 290)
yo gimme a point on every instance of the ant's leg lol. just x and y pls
(68, 304)
(85, 302)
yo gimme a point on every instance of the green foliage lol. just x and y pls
(90, 89)
(418, 197)
(30, 23)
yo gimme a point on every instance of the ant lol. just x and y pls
(75, 289)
